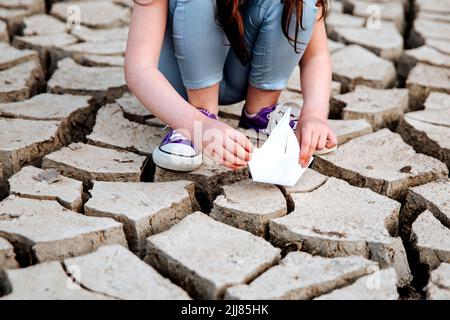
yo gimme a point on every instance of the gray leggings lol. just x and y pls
(196, 53)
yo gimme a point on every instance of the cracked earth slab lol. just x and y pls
(96, 14)
(383, 162)
(309, 181)
(353, 221)
(125, 3)
(437, 101)
(334, 45)
(433, 197)
(45, 281)
(249, 205)
(424, 54)
(7, 255)
(13, 18)
(45, 44)
(31, 5)
(337, 6)
(133, 109)
(3, 186)
(438, 287)
(431, 240)
(209, 178)
(381, 108)
(143, 208)
(100, 35)
(437, 6)
(439, 117)
(125, 134)
(43, 230)
(10, 56)
(441, 46)
(76, 113)
(385, 41)
(338, 19)
(424, 79)
(86, 162)
(21, 81)
(36, 183)
(47, 106)
(425, 29)
(76, 51)
(26, 141)
(95, 60)
(301, 276)
(428, 131)
(371, 70)
(73, 78)
(433, 16)
(4, 36)
(347, 130)
(380, 285)
(205, 256)
(116, 272)
(42, 24)
(392, 11)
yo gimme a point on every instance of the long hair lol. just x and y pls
(232, 22)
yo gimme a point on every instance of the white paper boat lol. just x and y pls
(277, 161)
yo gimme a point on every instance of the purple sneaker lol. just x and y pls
(267, 118)
(178, 153)
(259, 127)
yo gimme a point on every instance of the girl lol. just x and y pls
(185, 57)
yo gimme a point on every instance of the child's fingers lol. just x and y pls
(322, 141)
(225, 153)
(304, 145)
(229, 157)
(332, 140)
(232, 166)
(312, 147)
(210, 151)
(221, 155)
(240, 138)
(237, 149)
(218, 154)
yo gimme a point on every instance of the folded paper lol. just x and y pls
(277, 161)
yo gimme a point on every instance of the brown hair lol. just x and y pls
(232, 22)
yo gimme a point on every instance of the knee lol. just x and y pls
(195, 12)
(270, 13)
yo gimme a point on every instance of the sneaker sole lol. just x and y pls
(175, 162)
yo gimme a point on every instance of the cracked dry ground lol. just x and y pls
(81, 205)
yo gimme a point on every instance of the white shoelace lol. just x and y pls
(177, 136)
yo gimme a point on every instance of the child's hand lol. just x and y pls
(226, 145)
(313, 133)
